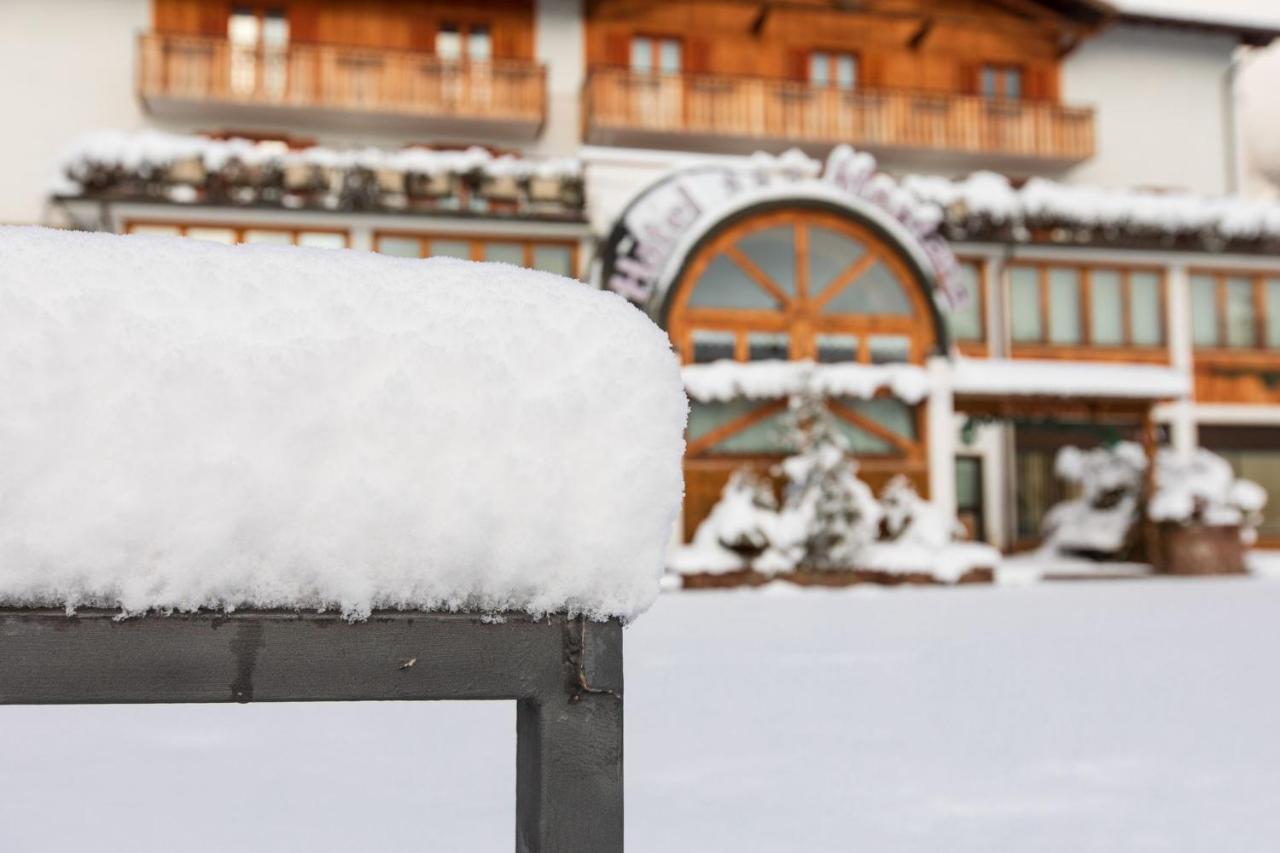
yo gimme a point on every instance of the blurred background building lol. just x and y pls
(1053, 244)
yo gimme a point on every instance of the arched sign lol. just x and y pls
(658, 228)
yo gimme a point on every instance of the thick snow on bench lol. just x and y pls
(185, 425)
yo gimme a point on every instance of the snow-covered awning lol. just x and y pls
(725, 380)
(1002, 377)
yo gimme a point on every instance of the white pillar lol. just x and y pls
(560, 44)
(940, 420)
(1183, 434)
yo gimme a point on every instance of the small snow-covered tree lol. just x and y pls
(828, 515)
(910, 519)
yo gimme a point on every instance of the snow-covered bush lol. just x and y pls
(1199, 489)
(910, 519)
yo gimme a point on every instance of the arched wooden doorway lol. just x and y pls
(799, 284)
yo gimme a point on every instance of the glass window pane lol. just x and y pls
(876, 291)
(1064, 305)
(1241, 329)
(505, 253)
(768, 346)
(156, 230)
(669, 56)
(887, 349)
(449, 249)
(989, 82)
(213, 235)
(242, 28)
(773, 250)
(1204, 311)
(448, 42)
(846, 72)
(275, 30)
(829, 255)
(725, 285)
(863, 443)
(889, 412)
(1013, 84)
(818, 69)
(767, 436)
(1273, 314)
(479, 45)
(401, 247)
(712, 346)
(556, 259)
(1106, 307)
(836, 348)
(322, 239)
(641, 55)
(1024, 296)
(275, 238)
(965, 321)
(1146, 316)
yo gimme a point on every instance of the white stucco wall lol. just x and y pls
(65, 67)
(1162, 101)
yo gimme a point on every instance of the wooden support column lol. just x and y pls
(1149, 448)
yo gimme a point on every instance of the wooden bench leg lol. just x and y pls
(569, 750)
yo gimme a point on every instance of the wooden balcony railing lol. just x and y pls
(622, 105)
(194, 69)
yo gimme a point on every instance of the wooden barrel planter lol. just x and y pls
(1198, 549)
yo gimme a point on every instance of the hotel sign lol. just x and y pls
(660, 225)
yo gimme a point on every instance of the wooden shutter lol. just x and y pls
(798, 64)
(697, 56)
(617, 50)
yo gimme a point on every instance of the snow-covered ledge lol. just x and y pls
(185, 425)
(1024, 377)
(725, 380)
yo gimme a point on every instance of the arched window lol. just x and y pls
(791, 285)
(799, 284)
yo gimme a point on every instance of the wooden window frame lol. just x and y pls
(655, 53)
(1258, 286)
(464, 36)
(979, 346)
(1086, 349)
(1002, 68)
(832, 55)
(477, 242)
(238, 228)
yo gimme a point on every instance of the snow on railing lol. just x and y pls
(185, 425)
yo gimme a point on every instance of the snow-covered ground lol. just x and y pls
(1062, 718)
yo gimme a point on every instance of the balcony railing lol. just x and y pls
(187, 71)
(624, 107)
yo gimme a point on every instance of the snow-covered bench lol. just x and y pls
(305, 475)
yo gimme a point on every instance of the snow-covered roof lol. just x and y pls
(1256, 20)
(187, 425)
(725, 380)
(1042, 378)
(987, 203)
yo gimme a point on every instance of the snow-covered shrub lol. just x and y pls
(1202, 489)
(910, 519)
(738, 529)
(1199, 489)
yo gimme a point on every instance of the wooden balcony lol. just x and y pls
(211, 79)
(626, 108)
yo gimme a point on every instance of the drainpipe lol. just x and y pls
(1235, 154)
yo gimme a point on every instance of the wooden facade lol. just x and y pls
(338, 55)
(959, 75)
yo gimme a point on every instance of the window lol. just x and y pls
(323, 238)
(854, 298)
(456, 42)
(1072, 305)
(660, 55)
(1000, 82)
(965, 322)
(556, 256)
(1235, 310)
(835, 70)
(258, 43)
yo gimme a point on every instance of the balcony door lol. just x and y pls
(465, 53)
(258, 46)
(657, 63)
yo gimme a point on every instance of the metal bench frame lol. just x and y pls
(565, 675)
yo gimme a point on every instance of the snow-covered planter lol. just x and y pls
(185, 425)
(1205, 517)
